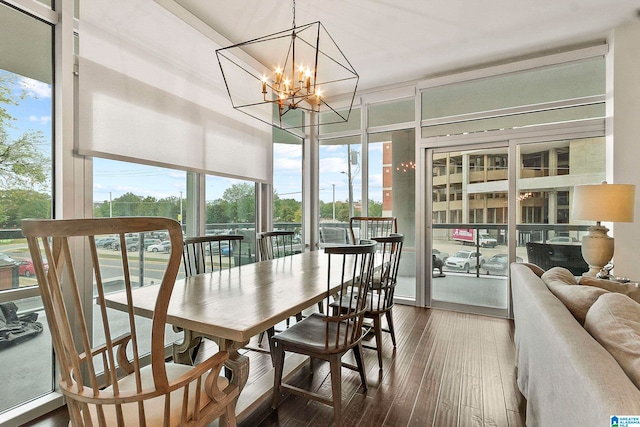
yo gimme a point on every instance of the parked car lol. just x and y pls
(224, 249)
(464, 261)
(106, 242)
(487, 241)
(563, 240)
(164, 246)
(7, 258)
(498, 264)
(442, 256)
(26, 268)
(150, 241)
(131, 242)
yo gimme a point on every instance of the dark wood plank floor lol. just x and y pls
(448, 369)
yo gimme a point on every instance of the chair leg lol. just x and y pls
(270, 333)
(278, 360)
(230, 416)
(391, 329)
(336, 388)
(359, 356)
(194, 351)
(321, 307)
(377, 329)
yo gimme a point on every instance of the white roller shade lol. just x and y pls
(150, 91)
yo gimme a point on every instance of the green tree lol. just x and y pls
(241, 202)
(375, 208)
(126, 205)
(170, 207)
(217, 212)
(18, 204)
(286, 210)
(22, 163)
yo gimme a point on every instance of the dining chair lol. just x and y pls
(329, 337)
(108, 383)
(204, 254)
(366, 227)
(278, 244)
(271, 245)
(381, 291)
(275, 244)
(383, 287)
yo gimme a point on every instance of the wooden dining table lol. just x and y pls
(232, 305)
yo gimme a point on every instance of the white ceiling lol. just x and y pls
(393, 41)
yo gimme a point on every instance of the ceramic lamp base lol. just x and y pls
(597, 249)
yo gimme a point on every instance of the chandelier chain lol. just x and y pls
(294, 14)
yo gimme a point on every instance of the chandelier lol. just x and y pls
(304, 68)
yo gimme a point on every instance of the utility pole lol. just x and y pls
(334, 202)
(180, 216)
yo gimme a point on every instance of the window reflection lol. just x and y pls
(26, 184)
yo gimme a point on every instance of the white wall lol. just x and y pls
(623, 139)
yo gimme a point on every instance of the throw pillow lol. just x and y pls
(537, 270)
(614, 321)
(632, 291)
(559, 275)
(577, 299)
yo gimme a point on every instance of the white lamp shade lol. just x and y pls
(604, 202)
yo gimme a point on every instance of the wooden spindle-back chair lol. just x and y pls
(329, 337)
(109, 384)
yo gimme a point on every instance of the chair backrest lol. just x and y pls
(546, 256)
(350, 268)
(385, 276)
(333, 235)
(87, 368)
(275, 244)
(366, 228)
(211, 253)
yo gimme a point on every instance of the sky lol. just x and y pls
(114, 178)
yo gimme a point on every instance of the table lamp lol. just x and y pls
(601, 202)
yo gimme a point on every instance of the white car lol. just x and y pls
(163, 246)
(563, 240)
(464, 261)
(487, 241)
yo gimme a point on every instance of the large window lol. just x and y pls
(231, 209)
(26, 77)
(287, 182)
(391, 191)
(131, 189)
(340, 187)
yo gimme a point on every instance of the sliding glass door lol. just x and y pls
(492, 203)
(469, 228)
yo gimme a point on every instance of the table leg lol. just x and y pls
(237, 363)
(182, 350)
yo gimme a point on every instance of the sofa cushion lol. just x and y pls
(564, 285)
(577, 299)
(632, 291)
(614, 321)
(539, 271)
(558, 275)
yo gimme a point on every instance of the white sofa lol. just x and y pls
(567, 377)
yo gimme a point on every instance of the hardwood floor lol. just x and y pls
(449, 369)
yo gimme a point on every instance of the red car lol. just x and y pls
(25, 268)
